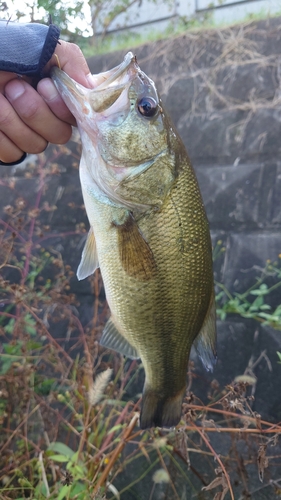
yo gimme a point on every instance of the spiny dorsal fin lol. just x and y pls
(89, 260)
(205, 342)
(135, 254)
(113, 339)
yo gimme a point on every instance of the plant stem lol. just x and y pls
(119, 448)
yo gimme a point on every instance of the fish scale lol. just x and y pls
(149, 233)
(158, 311)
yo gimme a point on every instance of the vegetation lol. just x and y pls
(78, 18)
(68, 419)
(69, 410)
(254, 303)
(89, 23)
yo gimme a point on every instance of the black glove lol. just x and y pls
(25, 48)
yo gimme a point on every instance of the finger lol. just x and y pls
(40, 124)
(13, 127)
(6, 76)
(72, 61)
(48, 91)
(9, 152)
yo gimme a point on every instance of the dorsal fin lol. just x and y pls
(89, 260)
(205, 342)
(113, 339)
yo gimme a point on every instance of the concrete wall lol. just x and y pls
(223, 91)
(148, 16)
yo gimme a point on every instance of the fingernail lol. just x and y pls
(47, 89)
(14, 89)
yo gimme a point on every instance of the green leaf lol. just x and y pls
(62, 449)
(25, 483)
(258, 302)
(269, 317)
(9, 328)
(13, 349)
(265, 307)
(31, 345)
(64, 492)
(59, 458)
(76, 471)
(30, 327)
(6, 365)
(221, 314)
(78, 487)
(10, 350)
(263, 290)
(44, 386)
(278, 310)
(116, 428)
(265, 315)
(40, 491)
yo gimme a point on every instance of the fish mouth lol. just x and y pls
(116, 73)
(63, 82)
(103, 95)
(106, 105)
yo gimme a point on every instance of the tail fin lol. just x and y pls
(159, 411)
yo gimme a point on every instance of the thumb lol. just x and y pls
(70, 58)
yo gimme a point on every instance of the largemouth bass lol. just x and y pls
(148, 233)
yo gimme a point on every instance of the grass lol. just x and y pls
(68, 426)
(255, 302)
(69, 409)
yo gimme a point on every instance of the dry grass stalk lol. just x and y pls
(96, 392)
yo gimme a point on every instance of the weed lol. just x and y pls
(68, 429)
(254, 302)
(68, 421)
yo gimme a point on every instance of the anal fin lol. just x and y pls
(135, 254)
(89, 260)
(113, 339)
(205, 342)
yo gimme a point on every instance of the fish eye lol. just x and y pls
(147, 106)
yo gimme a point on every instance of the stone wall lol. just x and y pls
(222, 90)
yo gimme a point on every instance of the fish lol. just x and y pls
(149, 233)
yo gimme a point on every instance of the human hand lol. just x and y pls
(30, 119)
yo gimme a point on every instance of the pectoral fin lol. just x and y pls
(135, 254)
(89, 260)
(205, 342)
(113, 339)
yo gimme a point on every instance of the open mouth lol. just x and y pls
(115, 73)
(113, 82)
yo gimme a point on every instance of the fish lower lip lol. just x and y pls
(63, 81)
